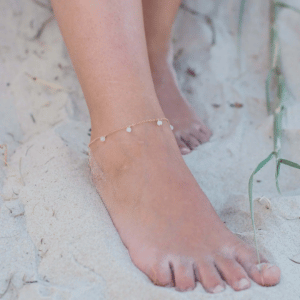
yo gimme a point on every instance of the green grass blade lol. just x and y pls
(239, 35)
(272, 25)
(274, 36)
(278, 129)
(268, 94)
(289, 163)
(250, 190)
(281, 88)
(277, 175)
(281, 93)
(284, 5)
(263, 163)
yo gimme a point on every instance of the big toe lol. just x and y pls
(160, 274)
(266, 274)
(271, 275)
(263, 273)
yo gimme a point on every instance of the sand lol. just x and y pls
(56, 238)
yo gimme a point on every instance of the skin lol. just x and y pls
(189, 129)
(163, 217)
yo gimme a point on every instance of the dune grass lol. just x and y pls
(275, 106)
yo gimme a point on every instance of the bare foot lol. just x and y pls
(189, 129)
(165, 220)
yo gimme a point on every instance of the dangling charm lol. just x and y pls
(159, 122)
(171, 127)
(102, 138)
(128, 129)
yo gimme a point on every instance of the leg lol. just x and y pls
(189, 129)
(162, 215)
(109, 54)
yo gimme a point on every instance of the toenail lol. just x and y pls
(218, 289)
(185, 150)
(264, 266)
(243, 284)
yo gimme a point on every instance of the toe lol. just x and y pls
(264, 273)
(202, 135)
(161, 275)
(194, 142)
(205, 129)
(184, 276)
(184, 149)
(190, 141)
(270, 274)
(233, 273)
(208, 276)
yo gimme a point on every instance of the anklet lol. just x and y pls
(128, 128)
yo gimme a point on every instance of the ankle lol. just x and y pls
(160, 63)
(123, 115)
(122, 149)
(159, 52)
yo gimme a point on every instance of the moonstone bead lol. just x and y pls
(102, 138)
(159, 123)
(128, 129)
(171, 127)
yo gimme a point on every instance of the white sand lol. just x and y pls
(56, 238)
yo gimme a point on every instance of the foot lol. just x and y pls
(165, 220)
(189, 129)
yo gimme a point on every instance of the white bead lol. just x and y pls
(159, 123)
(128, 129)
(171, 127)
(102, 138)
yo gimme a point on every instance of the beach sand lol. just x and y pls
(57, 240)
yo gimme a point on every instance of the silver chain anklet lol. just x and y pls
(159, 122)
